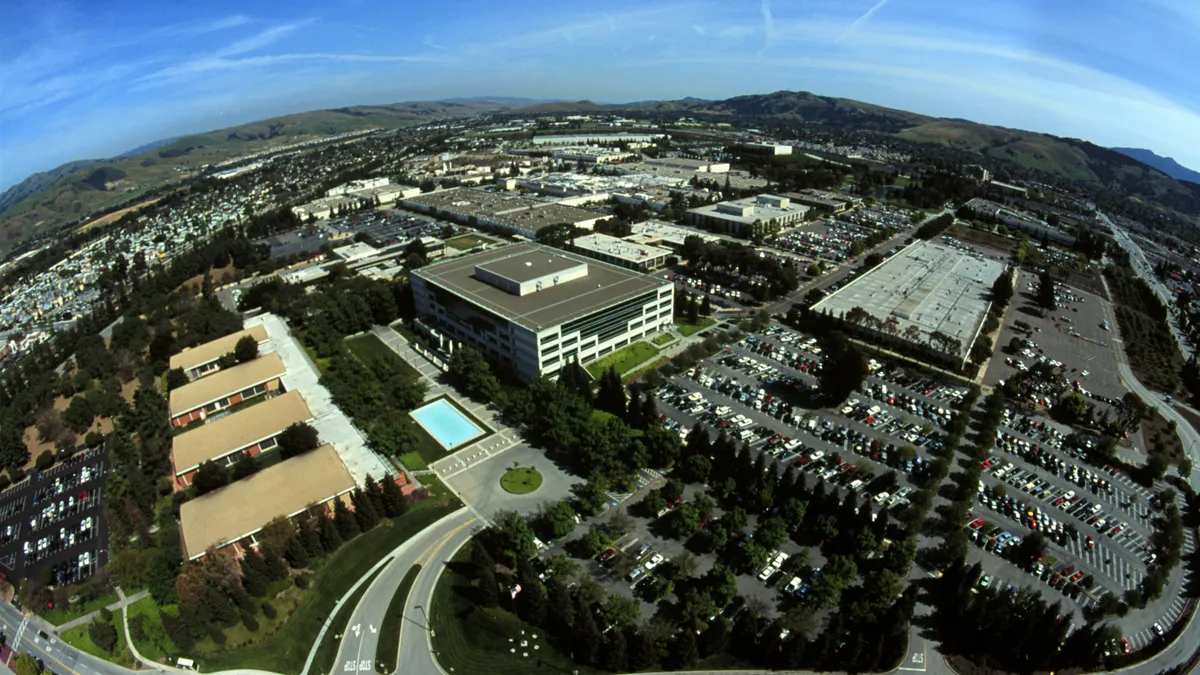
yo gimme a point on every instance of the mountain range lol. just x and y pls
(45, 202)
(1166, 165)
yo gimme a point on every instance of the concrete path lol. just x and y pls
(117, 606)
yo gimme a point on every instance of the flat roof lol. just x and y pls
(211, 351)
(234, 432)
(619, 248)
(232, 380)
(603, 286)
(528, 265)
(246, 506)
(928, 285)
(760, 205)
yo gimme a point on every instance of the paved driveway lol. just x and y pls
(479, 486)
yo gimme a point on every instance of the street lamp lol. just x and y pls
(427, 626)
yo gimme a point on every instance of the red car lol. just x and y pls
(1125, 645)
(977, 523)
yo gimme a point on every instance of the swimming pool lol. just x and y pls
(446, 424)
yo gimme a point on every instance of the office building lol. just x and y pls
(531, 308)
(620, 252)
(749, 217)
(206, 396)
(202, 359)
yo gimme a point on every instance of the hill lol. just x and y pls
(1166, 165)
(46, 201)
(560, 107)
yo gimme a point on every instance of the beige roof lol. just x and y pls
(208, 389)
(211, 351)
(219, 438)
(246, 506)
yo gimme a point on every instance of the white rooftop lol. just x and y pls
(619, 248)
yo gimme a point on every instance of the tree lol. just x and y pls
(1046, 290)
(706, 306)
(364, 510)
(1070, 409)
(615, 658)
(246, 349)
(610, 396)
(79, 414)
(392, 498)
(586, 636)
(296, 554)
(347, 524)
(176, 378)
(298, 439)
(558, 520)
(26, 664)
(513, 538)
(483, 568)
(210, 476)
(685, 652)
(254, 573)
(103, 635)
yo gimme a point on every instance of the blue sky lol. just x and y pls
(94, 79)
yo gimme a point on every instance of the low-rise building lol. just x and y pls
(206, 396)
(753, 216)
(620, 252)
(665, 234)
(202, 359)
(519, 215)
(228, 518)
(767, 148)
(245, 432)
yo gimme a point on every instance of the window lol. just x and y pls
(216, 405)
(269, 443)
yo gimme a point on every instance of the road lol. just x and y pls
(25, 635)
(1144, 270)
(357, 651)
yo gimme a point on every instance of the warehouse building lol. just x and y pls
(531, 308)
(622, 253)
(202, 359)
(229, 518)
(749, 217)
(209, 395)
(519, 215)
(930, 296)
(245, 432)
(665, 234)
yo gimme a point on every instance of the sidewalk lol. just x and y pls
(117, 606)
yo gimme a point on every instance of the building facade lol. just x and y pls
(754, 216)
(531, 309)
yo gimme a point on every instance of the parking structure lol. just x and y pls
(55, 520)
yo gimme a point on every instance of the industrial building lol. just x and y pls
(620, 252)
(831, 202)
(209, 395)
(229, 518)
(519, 215)
(665, 234)
(245, 432)
(1034, 227)
(929, 295)
(753, 216)
(202, 359)
(531, 308)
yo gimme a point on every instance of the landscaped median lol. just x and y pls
(328, 649)
(388, 647)
(624, 359)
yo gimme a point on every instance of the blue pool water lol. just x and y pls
(445, 423)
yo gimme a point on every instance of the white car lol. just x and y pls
(654, 561)
(767, 573)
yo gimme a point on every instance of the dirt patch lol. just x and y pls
(1159, 436)
(1087, 280)
(220, 276)
(973, 236)
(116, 215)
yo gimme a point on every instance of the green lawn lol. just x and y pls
(322, 362)
(663, 339)
(624, 359)
(413, 461)
(470, 639)
(60, 615)
(327, 652)
(686, 329)
(371, 351)
(78, 638)
(465, 242)
(286, 649)
(389, 633)
(521, 480)
(156, 646)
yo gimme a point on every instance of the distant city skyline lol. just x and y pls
(93, 80)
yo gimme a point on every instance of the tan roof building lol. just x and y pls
(238, 431)
(202, 358)
(241, 509)
(225, 384)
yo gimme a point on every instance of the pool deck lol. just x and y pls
(463, 416)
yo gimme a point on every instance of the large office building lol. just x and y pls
(531, 308)
(761, 215)
(620, 252)
(929, 295)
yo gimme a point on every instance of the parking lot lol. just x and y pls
(54, 521)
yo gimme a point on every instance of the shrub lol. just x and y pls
(302, 581)
(268, 609)
(44, 460)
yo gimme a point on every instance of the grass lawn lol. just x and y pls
(322, 362)
(663, 339)
(156, 646)
(60, 615)
(413, 461)
(389, 633)
(78, 638)
(328, 650)
(521, 480)
(371, 351)
(687, 329)
(286, 649)
(470, 639)
(465, 242)
(624, 359)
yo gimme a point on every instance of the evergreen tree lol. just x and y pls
(615, 658)
(587, 635)
(560, 617)
(642, 653)
(310, 536)
(220, 607)
(296, 554)
(347, 524)
(685, 653)
(706, 306)
(254, 573)
(331, 537)
(531, 603)
(715, 638)
(374, 492)
(276, 568)
(575, 379)
(392, 498)
(611, 394)
(364, 510)
(483, 568)
(209, 476)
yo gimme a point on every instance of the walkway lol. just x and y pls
(117, 606)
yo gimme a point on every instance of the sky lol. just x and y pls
(95, 79)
